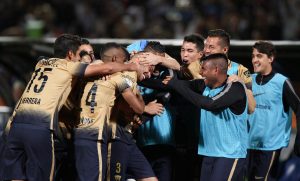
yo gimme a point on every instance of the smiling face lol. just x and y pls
(145, 74)
(214, 45)
(189, 53)
(261, 62)
(209, 73)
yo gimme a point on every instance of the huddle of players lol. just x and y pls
(33, 128)
(29, 153)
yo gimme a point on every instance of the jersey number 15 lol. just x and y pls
(42, 77)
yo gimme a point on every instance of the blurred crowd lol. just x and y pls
(243, 19)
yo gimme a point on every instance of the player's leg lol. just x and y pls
(264, 165)
(14, 156)
(160, 159)
(128, 159)
(206, 167)
(117, 159)
(29, 153)
(218, 168)
(90, 158)
(162, 168)
(228, 169)
(39, 149)
(138, 166)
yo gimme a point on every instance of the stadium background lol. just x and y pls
(27, 28)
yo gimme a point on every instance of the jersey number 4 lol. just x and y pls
(42, 77)
(92, 96)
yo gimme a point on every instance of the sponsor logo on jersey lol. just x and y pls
(259, 106)
(49, 62)
(258, 178)
(85, 120)
(258, 94)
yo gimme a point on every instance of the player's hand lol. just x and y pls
(133, 53)
(166, 80)
(132, 126)
(137, 120)
(149, 59)
(154, 108)
(297, 146)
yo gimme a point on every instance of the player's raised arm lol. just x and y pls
(109, 68)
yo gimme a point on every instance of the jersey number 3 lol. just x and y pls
(39, 88)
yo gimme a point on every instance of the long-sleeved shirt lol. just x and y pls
(232, 96)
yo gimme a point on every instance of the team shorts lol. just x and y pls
(126, 159)
(220, 168)
(90, 159)
(28, 153)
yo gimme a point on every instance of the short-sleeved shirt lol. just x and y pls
(240, 71)
(46, 92)
(98, 99)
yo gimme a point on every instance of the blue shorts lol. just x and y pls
(90, 159)
(220, 168)
(263, 164)
(28, 153)
(127, 159)
(1, 156)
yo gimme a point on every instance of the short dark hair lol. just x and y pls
(111, 45)
(65, 43)
(218, 59)
(154, 46)
(222, 34)
(85, 41)
(265, 47)
(197, 39)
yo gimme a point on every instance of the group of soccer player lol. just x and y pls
(83, 119)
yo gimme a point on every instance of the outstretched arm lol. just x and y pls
(227, 98)
(167, 61)
(109, 68)
(249, 93)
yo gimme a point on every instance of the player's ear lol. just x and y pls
(225, 49)
(69, 55)
(271, 59)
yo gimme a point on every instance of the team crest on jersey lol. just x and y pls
(247, 73)
(131, 79)
(118, 177)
